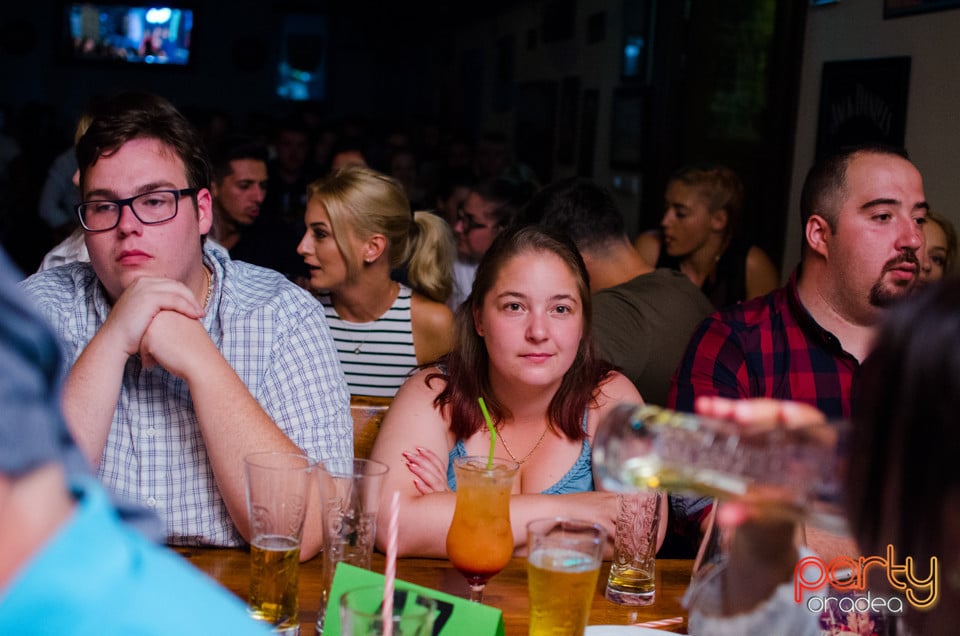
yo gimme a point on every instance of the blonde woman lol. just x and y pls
(699, 236)
(940, 249)
(360, 229)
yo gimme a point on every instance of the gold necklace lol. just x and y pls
(532, 450)
(206, 299)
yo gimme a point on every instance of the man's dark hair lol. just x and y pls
(135, 115)
(578, 208)
(139, 115)
(236, 147)
(826, 182)
(509, 196)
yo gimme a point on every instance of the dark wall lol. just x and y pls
(43, 75)
(379, 64)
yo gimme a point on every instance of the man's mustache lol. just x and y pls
(906, 257)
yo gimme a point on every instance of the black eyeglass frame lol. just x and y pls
(469, 225)
(128, 202)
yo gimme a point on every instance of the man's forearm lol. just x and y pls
(90, 396)
(233, 425)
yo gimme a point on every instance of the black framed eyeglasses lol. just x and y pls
(469, 224)
(150, 208)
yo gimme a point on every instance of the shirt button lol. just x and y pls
(151, 432)
(151, 502)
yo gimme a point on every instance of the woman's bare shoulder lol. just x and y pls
(616, 388)
(429, 313)
(426, 381)
(761, 274)
(648, 244)
(432, 326)
(413, 418)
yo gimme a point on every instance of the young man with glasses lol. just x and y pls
(183, 360)
(69, 552)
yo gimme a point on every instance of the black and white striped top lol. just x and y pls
(376, 356)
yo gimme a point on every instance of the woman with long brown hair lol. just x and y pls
(523, 344)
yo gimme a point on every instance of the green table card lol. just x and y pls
(455, 615)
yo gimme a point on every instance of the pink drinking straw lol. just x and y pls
(390, 573)
(666, 622)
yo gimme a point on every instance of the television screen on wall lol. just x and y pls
(129, 34)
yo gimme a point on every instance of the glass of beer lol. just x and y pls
(633, 571)
(480, 539)
(278, 488)
(562, 570)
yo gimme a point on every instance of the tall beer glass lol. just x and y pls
(278, 488)
(562, 571)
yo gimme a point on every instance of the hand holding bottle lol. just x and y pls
(760, 543)
(764, 451)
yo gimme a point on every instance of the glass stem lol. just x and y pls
(476, 593)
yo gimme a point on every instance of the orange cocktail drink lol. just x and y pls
(480, 539)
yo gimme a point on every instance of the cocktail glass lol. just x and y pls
(480, 539)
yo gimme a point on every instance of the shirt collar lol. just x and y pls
(806, 322)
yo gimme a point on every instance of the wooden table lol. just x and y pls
(506, 591)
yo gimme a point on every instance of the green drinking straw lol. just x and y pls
(493, 431)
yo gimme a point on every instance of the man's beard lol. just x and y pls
(883, 295)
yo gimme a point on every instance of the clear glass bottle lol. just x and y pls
(796, 470)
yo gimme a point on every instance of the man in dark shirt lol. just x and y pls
(238, 186)
(862, 210)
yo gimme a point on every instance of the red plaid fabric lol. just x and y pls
(766, 347)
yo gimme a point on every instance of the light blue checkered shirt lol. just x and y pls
(272, 333)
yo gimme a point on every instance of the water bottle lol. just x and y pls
(798, 471)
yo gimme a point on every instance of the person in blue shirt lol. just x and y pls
(182, 360)
(72, 561)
